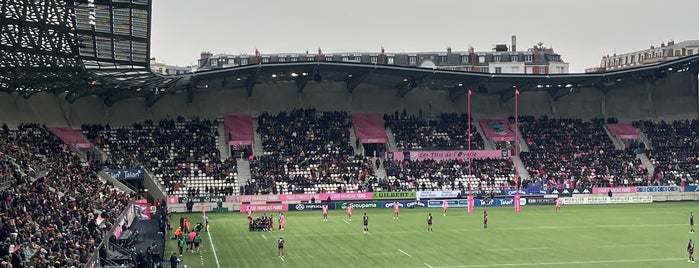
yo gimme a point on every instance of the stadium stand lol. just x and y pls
(674, 151)
(182, 154)
(572, 153)
(446, 131)
(486, 174)
(54, 218)
(306, 151)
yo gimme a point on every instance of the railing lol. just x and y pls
(126, 217)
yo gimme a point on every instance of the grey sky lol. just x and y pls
(581, 31)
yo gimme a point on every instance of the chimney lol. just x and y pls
(448, 50)
(205, 55)
(514, 43)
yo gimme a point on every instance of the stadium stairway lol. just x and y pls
(391, 140)
(222, 143)
(646, 163)
(353, 140)
(257, 140)
(243, 170)
(618, 144)
(487, 143)
(521, 169)
(642, 136)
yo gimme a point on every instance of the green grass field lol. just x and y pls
(649, 235)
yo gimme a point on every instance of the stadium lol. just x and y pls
(106, 163)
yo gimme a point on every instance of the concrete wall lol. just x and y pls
(673, 97)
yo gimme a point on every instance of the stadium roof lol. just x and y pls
(80, 47)
(404, 79)
(101, 47)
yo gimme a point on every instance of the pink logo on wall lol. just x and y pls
(173, 199)
(604, 190)
(264, 208)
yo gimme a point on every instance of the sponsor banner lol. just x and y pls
(298, 197)
(393, 195)
(571, 191)
(623, 199)
(691, 188)
(437, 194)
(657, 189)
(264, 208)
(387, 204)
(450, 203)
(302, 207)
(604, 190)
(358, 205)
(126, 174)
(538, 201)
(447, 155)
(200, 199)
(496, 202)
(141, 209)
(416, 204)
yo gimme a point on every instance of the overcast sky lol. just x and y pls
(581, 31)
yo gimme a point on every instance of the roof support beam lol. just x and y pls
(355, 80)
(250, 82)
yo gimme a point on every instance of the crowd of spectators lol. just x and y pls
(573, 153)
(448, 174)
(56, 218)
(306, 151)
(674, 150)
(446, 131)
(183, 154)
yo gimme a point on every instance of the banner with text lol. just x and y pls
(437, 194)
(538, 201)
(657, 189)
(358, 205)
(571, 191)
(691, 188)
(590, 200)
(393, 195)
(264, 208)
(200, 199)
(404, 204)
(302, 207)
(126, 174)
(299, 197)
(604, 190)
(447, 155)
(450, 203)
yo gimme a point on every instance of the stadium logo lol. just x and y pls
(506, 202)
(300, 207)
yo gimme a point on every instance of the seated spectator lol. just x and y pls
(446, 131)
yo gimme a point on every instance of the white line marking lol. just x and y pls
(345, 221)
(428, 266)
(558, 263)
(282, 258)
(628, 245)
(213, 248)
(369, 233)
(498, 249)
(263, 236)
(406, 254)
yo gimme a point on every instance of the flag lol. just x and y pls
(516, 91)
(469, 92)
